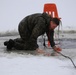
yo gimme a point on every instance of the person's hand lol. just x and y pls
(58, 49)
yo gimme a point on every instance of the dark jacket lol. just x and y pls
(35, 25)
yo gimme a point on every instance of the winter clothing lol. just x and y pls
(9, 44)
(30, 28)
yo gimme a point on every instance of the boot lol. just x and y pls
(6, 43)
(10, 44)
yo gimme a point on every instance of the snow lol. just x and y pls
(35, 65)
(22, 63)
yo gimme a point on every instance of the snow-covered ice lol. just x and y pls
(22, 63)
(35, 65)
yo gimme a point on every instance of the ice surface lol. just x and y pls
(24, 63)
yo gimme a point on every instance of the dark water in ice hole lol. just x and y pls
(64, 43)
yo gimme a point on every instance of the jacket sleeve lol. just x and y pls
(51, 38)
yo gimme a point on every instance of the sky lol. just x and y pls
(13, 11)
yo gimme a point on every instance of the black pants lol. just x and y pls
(24, 42)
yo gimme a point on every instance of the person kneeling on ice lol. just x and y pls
(30, 28)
